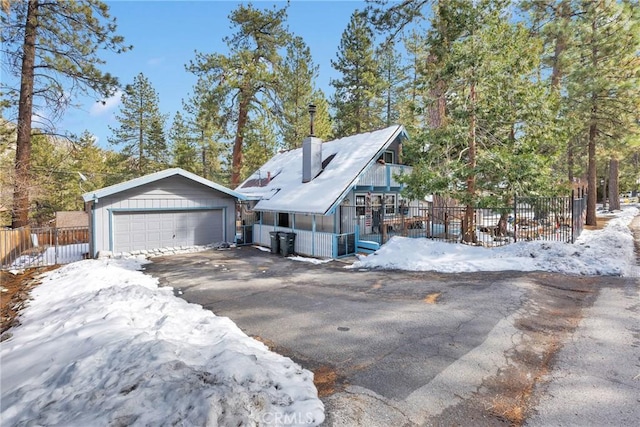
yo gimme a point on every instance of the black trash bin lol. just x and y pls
(287, 243)
(275, 242)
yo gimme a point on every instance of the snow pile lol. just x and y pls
(101, 344)
(601, 252)
(51, 255)
(315, 261)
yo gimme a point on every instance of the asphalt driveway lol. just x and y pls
(393, 347)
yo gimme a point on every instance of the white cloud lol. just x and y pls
(155, 61)
(102, 107)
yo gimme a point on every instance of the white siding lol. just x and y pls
(304, 245)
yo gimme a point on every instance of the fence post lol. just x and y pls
(573, 214)
(382, 224)
(56, 246)
(515, 218)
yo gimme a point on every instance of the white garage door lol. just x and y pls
(151, 230)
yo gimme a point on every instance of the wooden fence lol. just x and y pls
(28, 247)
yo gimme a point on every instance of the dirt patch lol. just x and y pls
(552, 313)
(432, 298)
(326, 381)
(635, 229)
(325, 378)
(600, 223)
(15, 293)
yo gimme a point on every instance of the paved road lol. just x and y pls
(391, 347)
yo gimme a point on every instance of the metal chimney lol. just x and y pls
(312, 116)
(311, 151)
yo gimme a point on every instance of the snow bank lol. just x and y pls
(101, 344)
(601, 252)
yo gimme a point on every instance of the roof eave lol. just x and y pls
(147, 179)
(400, 131)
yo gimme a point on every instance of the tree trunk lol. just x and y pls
(469, 234)
(236, 162)
(560, 45)
(140, 138)
(592, 191)
(20, 214)
(593, 134)
(570, 160)
(604, 190)
(614, 190)
(436, 109)
(205, 170)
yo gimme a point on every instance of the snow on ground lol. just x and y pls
(102, 344)
(50, 256)
(310, 260)
(600, 252)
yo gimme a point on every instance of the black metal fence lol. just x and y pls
(529, 218)
(28, 247)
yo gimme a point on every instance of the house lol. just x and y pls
(170, 208)
(68, 219)
(338, 197)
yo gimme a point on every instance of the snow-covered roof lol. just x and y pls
(278, 183)
(137, 182)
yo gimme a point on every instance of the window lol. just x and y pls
(389, 204)
(283, 219)
(361, 201)
(386, 157)
(376, 202)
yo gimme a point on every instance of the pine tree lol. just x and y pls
(357, 98)
(141, 130)
(496, 138)
(246, 78)
(184, 151)
(393, 78)
(260, 144)
(61, 40)
(297, 73)
(91, 161)
(206, 125)
(551, 20)
(322, 127)
(604, 79)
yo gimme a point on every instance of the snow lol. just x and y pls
(102, 344)
(285, 190)
(310, 260)
(607, 252)
(50, 256)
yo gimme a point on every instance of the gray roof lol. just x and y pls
(137, 182)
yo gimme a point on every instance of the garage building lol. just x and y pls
(171, 208)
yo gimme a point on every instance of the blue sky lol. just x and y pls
(166, 34)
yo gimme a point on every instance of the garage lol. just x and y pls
(148, 230)
(166, 209)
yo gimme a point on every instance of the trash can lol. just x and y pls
(275, 242)
(287, 243)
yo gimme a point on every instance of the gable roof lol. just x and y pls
(344, 161)
(137, 182)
